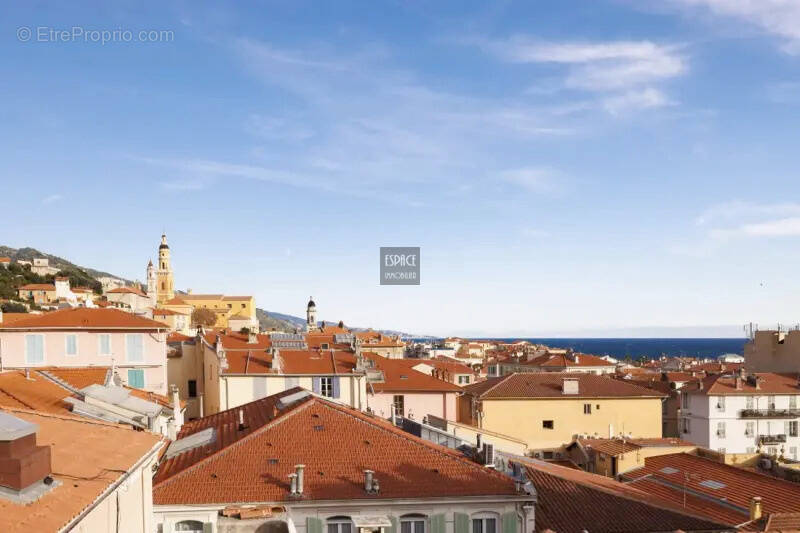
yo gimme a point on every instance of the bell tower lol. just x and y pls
(152, 284)
(165, 284)
(311, 315)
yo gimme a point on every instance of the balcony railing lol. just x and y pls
(769, 413)
(772, 439)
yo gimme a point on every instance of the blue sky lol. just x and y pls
(566, 167)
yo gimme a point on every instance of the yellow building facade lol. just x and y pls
(548, 410)
(227, 309)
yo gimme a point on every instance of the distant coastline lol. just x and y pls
(638, 347)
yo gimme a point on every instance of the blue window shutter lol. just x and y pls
(315, 385)
(461, 523)
(336, 386)
(136, 378)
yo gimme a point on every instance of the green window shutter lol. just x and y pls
(437, 523)
(510, 522)
(392, 529)
(313, 525)
(461, 523)
(208, 527)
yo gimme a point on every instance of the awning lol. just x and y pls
(372, 521)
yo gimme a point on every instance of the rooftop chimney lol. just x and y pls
(570, 386)
(738, 383)
(368, 476)
(23, 464)
(241, 419)
(252, 337)
(293, 483)
(172, 434)
(755, 508)
(1, 316)
(299, 472)
(176, 400)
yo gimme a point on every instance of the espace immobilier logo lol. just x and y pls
(400, 265)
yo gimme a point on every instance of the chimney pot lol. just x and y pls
(293, 483)
(755, 508)
(368, 476)
(23, 462)
(241, 419)
(300, 477)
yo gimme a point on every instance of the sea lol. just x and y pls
(636, 348)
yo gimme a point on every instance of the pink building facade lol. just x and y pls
(82, 337)
(415, 405)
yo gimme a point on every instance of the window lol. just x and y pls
(136, 378)
(686, 426)
(340, 524)
(192, 388)
(792, 402)
(324, 346)
(326, 386)
(189, 525)
(134, 347)
(412, 523)
(71, 344)
(547, 424)
(484, 524)
(104, 344)
(587, 408)
(749, 403)
(685, 401)
(792, 428)
(34, 349)
(399, 402)
(771, 402)
(243, 306)
(749, 429)
(721, 430)
(230, 306)
(750, 449)
(721, 403)
(793, 452)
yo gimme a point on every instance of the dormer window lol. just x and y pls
(324, 345)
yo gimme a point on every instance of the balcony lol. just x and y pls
(771, 439)
(769, 413)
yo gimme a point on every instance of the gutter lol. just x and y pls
(114, 486)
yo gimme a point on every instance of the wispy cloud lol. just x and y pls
(777, 17)
(628, 70)
(51, 199)
(738, 210)
(533, 179)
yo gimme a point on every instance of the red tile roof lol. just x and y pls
(86, 318)
(768, 383)
(238, 341)
(666, 475)
(8, 318)
(335, 444)
(80, 378)
(572, 501)
(38, 287)
(5, 259)
(620, 446)
(400, 377)
(565, 361)
(35, 392)
(178, 337)
(249, 362)
(167, 312)
(316, 362)
(550, 384)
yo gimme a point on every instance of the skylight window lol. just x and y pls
(669, 470)
(711, 484)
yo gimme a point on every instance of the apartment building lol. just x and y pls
(296, 462)
(743, 413)
(547, 410)
(83, 337)
(773, 351)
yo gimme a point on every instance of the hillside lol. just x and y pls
(288, 323)
(27, 254)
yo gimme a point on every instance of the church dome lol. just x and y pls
(164, 244)
(311, 303)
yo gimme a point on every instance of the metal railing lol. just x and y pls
(769, 413)
(772, 439)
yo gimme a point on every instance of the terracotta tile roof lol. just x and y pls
(238, 341)
(619, 446)
(86, 318)
(730, 500)
(445, 363)
(87, 457)
(167, 312)
(237, 298)
(8, 318)
(36, 393)
(249, 362)
(768, 383)
(317, 340)
(316, 362)
(572, 501)
(335, 444)
(178, 337)
(400, 377)
(549, 385)
(565, 361)
(715, 368)
(176, 301)
(80, 378)
(38, 287)
(5, 259)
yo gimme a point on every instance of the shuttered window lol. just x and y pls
(34, 349)
(134, 347)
